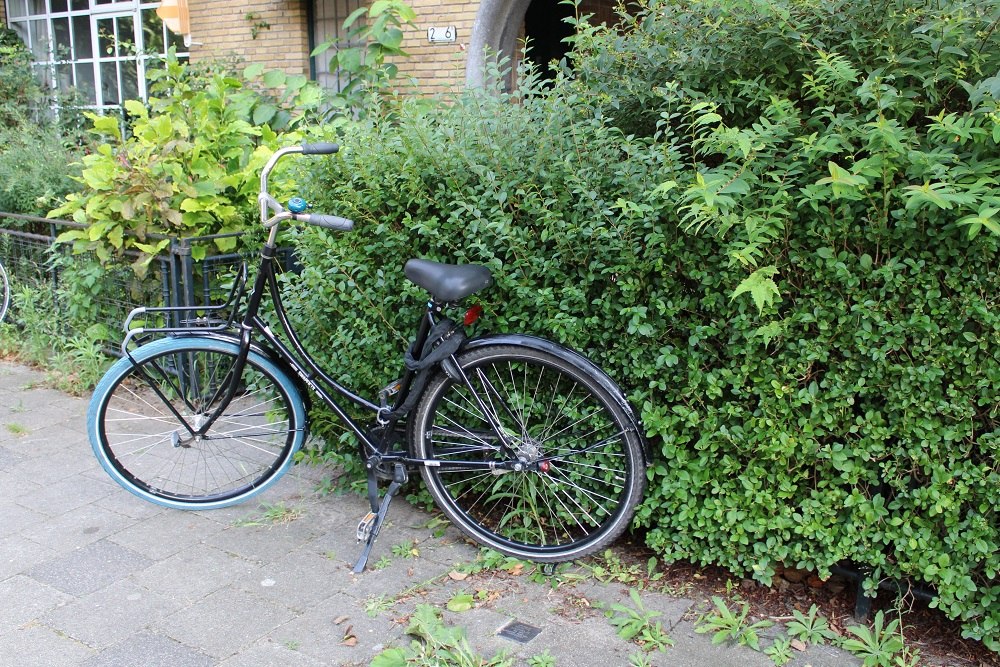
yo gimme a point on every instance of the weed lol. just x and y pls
(880, 645)
(17, 429)
(639, 660)
(293, 644)
(436, 645)
(406, 550)
(780, 652)
(377, 604)
(810, 627)
(274, 514)
(382, 563)
(637, 625)
(544, 659)
(729, 626)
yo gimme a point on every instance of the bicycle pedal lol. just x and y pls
(365, 526)
(388, 391)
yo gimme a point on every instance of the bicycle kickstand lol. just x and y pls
(371, 524)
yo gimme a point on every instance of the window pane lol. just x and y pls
(40, 39)
(59, 6)
(80, 5)
(130, 81)
(43, 75)
(64, 76)
(105, 38)
(85, 82)
(126, 36)
(18, 8)
(84, 46)
(36, 6)
(152, 32)
(21, 28)
(63, 47)
(109, 83)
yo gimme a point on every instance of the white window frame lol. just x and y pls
(22, 17)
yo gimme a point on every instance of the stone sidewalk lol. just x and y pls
(90, 575)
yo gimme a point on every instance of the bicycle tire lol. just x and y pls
(4, 293)
(145, 447)
(556, 412)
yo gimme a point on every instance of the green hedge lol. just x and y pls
(784, 270)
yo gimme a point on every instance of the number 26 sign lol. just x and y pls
(441, 35)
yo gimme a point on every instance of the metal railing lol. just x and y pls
(32, 255)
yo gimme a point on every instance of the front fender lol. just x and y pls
(577, 359)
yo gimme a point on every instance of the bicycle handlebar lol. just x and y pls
(322, 148)
(326, 221)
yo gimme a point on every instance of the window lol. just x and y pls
(99, 47)
(328, 24)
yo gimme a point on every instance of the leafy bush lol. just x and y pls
(190, 165)
(773, 242)
(36, 151)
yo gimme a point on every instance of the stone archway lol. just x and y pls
(494, 34)
(500, 23)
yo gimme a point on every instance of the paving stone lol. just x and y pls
(18, 555)
(108, 616)
(17, 517)
(90, 568)
(299, 580)
(77, 528)
(9, 458)
(25, 599)
(225, 622)
(269, 653)
(317, 633)
(194, 572)
(35, 645)
(163, 535)
(150, 650)
(66, 494)
(264, 543)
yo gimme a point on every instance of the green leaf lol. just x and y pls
(461, 602)
(253, 71)
(264, 113)
(761, 287)
(392, 657)
(274, 78)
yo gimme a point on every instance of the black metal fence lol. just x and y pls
(32, 256)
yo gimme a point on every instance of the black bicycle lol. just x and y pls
(527, 446)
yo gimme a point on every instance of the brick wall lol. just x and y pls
(220, 29)
(438, 67)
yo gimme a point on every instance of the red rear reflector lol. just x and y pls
(472, 314)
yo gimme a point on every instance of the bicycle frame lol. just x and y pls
(298, 360)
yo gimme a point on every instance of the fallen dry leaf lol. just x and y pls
(455, 575)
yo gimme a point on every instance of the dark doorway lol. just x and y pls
(546, 30)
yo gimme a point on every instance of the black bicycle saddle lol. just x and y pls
(448, 282)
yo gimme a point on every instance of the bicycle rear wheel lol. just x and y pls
(144, 417)
(4, 293)
(581, 457)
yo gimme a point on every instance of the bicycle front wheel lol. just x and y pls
(581, 460)
(4, 293)
(146, 420)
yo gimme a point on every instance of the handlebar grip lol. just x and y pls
(322, 148)
(327, 221)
